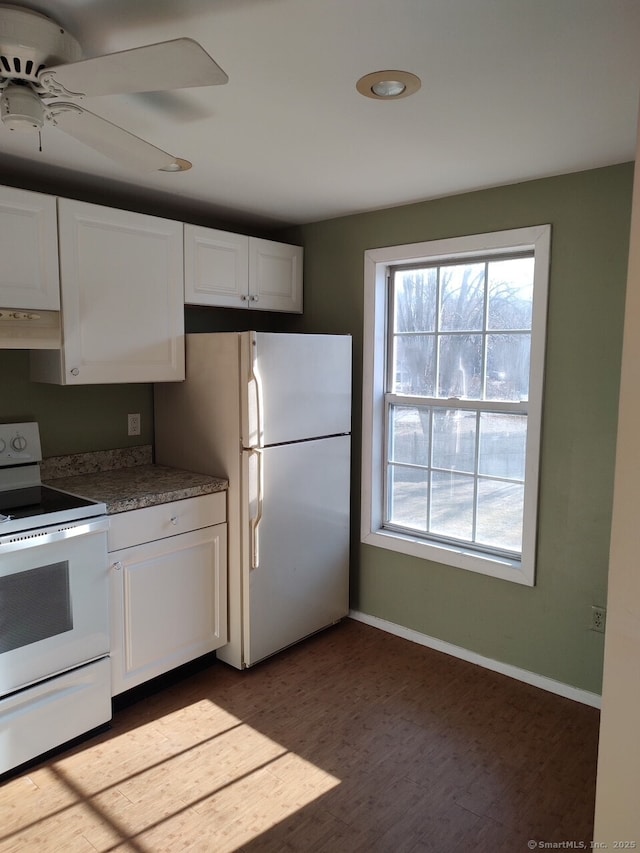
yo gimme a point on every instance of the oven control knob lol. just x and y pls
(19, 443)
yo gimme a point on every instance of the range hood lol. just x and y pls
(29, 329)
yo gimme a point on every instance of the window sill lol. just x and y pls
(486, 564)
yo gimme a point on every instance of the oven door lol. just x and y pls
(53, 601)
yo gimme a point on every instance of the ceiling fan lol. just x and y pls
(41, 67)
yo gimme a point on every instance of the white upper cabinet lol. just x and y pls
(234, 271)
(29, 257)
(275, 276)
(216, 267)
(121, 276)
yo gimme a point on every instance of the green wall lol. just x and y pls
(73, 419)
(544, 629)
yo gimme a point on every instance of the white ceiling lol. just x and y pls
(511, 90)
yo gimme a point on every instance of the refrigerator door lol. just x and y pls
(296, 563)
(298, 387)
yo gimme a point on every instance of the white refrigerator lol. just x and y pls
(272, 413)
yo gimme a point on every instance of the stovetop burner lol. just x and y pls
(25, 504)
(38, 500)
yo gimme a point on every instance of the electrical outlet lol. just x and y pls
(134, 424)
(598, 618)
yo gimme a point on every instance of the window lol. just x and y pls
(453, 368)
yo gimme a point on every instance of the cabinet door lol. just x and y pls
(168, 604)
(216, 267)
(275, 276)
(29, 257)
(121, 277)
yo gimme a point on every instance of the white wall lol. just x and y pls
(617, 816)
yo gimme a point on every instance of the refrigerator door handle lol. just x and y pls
(255, 521)
(255, 383)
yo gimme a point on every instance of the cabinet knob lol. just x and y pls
(174, 519)
(117, 566)
(253, 298)
(74, 371)
(244, 297)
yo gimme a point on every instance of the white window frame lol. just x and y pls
(376, 263)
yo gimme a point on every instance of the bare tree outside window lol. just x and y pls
(459, 355)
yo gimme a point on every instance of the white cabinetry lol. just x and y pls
(122, 311)
(234, 271)
(216, 267)
(275, 275)
(29, 258)
(168, 587)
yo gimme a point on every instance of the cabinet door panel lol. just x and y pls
(275, 276)
(121, 280)
(216, 267)
(169, 604)
(29, 258)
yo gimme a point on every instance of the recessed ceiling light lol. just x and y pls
(388, 85)
(178, 165)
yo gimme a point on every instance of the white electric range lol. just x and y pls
(54, 629)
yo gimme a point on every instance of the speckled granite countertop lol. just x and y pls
(132, 486)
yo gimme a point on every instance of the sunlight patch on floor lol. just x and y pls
(195, 776)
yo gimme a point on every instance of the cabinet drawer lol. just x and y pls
(157, 522)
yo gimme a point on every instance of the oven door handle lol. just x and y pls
(45, 536)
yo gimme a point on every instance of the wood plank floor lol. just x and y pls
(352, 741)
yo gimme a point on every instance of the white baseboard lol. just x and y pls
(558, 687)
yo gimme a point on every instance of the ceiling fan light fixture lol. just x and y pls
(42, 65)
(21, 109)
(388, 85)
(178, 165)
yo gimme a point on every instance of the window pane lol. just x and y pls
(415, 300)
(462, 297)
(510, 290)
(409, 435)
(408, 490)
(452, 505)
(454, 440)
(414, 365)
(508, 367)
(499, 519)
(502, 445)
(460, 366)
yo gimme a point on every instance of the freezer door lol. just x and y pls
(299, 387)
(296, 569)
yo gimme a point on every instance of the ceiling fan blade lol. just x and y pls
(177, 64)
(112, 141)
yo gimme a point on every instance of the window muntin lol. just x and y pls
(459, 331)
(457, 475)
(410, 331)
(462, 330)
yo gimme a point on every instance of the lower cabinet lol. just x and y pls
(168, 587)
